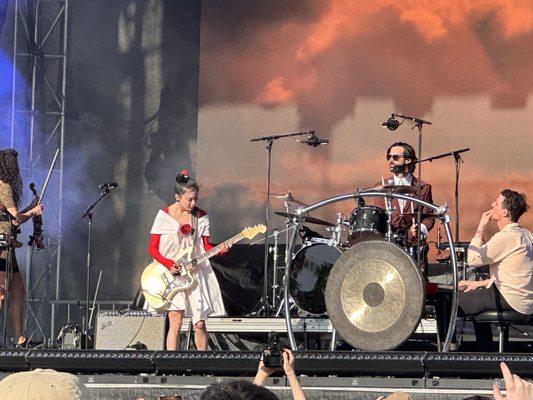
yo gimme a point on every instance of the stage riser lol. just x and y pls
(396, 364)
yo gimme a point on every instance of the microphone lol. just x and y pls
(110, 185)
(392, 123)
(314, 141)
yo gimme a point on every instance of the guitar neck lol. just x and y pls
(215, 250)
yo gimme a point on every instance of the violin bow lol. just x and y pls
(48, 176)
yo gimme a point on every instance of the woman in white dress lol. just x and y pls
(177, 227)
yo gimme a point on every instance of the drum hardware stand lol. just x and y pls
(265, 306)
(255, 311)
(275, 255)
(287, 204)
(281, 306)
(337, 230)
(88, 217)
(389, 210)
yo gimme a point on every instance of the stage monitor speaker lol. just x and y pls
(135, 330)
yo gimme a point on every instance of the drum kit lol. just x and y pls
(369, 285)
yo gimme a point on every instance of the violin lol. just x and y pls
(37, 236)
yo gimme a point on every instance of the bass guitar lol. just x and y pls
(160, 286)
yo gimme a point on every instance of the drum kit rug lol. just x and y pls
(370, 287)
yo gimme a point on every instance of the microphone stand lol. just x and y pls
(419, 123)
(264, 304)
(88, 217)
(458, 161)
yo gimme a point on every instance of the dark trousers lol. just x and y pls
(472, 303)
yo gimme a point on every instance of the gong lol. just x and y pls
(375, 295)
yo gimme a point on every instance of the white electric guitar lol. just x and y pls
(160, 286)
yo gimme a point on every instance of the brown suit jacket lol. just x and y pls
(400, 223)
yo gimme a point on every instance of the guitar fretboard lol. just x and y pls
(214, 251)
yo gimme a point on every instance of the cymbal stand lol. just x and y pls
(265, 305)
(337, 230)
(287, 204)
(389, 211)
(275, 255)
(256, 310)
(276, 286)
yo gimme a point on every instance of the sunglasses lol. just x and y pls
(395, 157)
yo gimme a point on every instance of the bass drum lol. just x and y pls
(308, 276)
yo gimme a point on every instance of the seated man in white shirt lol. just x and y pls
(509, 254)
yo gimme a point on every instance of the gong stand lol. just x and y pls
(265, 306)
(443, 215)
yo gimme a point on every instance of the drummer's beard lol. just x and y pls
(397, 168)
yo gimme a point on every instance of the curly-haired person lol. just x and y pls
(10, 219)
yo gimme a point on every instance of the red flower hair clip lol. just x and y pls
(186, 229)
(184, 173)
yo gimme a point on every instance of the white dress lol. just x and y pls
(204, 299)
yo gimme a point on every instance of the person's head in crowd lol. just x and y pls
(237, 390)
(42, 384)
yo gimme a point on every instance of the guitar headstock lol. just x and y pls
(251, 231)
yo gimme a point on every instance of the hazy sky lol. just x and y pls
(341, 67)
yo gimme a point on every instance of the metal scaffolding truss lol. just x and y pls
(38, 130)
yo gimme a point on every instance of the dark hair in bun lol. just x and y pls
(184, 182)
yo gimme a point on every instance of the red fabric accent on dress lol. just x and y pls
(207, 246)
(153, 250)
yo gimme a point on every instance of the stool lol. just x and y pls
(503, 319)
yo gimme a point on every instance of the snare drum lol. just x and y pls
(367, 223)
(308, 276)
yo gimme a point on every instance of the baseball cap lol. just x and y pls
(42, 384)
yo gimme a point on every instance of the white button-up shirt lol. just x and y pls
(509, 254)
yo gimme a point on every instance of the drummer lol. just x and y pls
(402, 163)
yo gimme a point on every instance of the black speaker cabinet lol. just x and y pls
(130, 330)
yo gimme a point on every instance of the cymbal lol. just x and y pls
(402, 189)
(422, 215)
(305, 218)
(288, 197)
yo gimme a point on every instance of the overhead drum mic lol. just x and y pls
(314, 141)
(392, 123)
